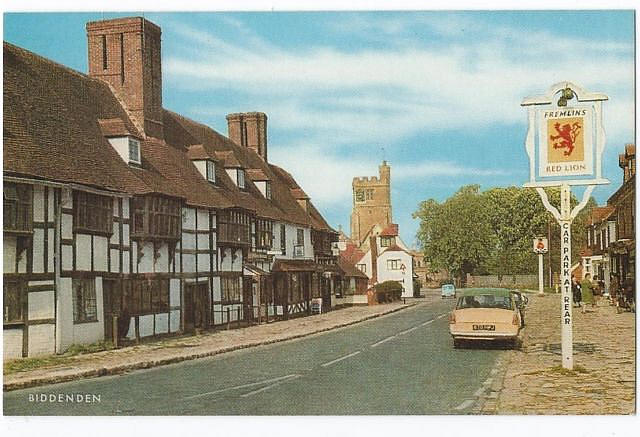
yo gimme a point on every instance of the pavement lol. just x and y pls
(401, 363)
(531, 380)
(176, 349)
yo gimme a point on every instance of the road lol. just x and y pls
(403, 363)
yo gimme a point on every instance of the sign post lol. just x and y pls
(540, 246)
(565, 146)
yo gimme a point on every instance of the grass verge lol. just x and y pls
(26, 364)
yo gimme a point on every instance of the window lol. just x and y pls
(156, 217)
(231, 289)
(240, 178)
(300, 237)
(84, 300)
(393, 264)
(134, 151)
(362, 267)
(368, 194)
(283, 239)
(233, 227)
(359, 195)
(267, 190)
(211, 171)
(264, 234)
(17, 214)
(13, 299)
(146, 296)
(93, 213)
(386, 241)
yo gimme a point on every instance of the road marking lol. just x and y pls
(479, 392)
(260, 390)
(340, 359)
(442, 315)
(408, 330)
(465, 404)
(238, 387)
(427, 322)
(383, 341)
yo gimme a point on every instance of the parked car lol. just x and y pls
(448, 290)
(521, 301)
(485, 314)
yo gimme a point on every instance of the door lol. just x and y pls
(111, 306)
(196, 306)
(248, 287)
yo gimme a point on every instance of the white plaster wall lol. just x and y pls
(162, 263)
(22, 262)
(203, 262)
(188, 262)
(201, 166)
(41, 305)
(162, 323)
(100, 248)
(146, 325)
(125, 207)
(397, 275)
(366, 259)
(174, 321)
(115, 207)
(69, 333)
(115, 237)
(41, 340)
(233, 174)
(67, 257)
(115, 260)
(203, 220)
(174, 292)
(83, 252)
(215, 284)
(262, 187)
(217, 315)
(38, 250)
(125, 261)
(50, 248)
(238, 262)
(145, 263)
(9, 254)
(121, 145)
(67, 198)
(38, 203)
(11, 344)
(291, 234)
(125, 234)
(67, 226)
(87, 333)
(188, 218)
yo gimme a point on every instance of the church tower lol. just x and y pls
(371, 203)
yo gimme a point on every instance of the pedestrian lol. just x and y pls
(614, 289)
(575, 290)
(586, 289)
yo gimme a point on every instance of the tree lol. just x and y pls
(492, 232)
(455, 235)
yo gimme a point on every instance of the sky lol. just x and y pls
(435, 93)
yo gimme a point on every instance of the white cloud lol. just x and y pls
(390, 93)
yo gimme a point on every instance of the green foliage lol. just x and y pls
(491, 232)
(389, 287)
(26, 364)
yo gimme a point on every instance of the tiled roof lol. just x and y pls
(600, 213)
(352, 254)
(51, 128)
(114, 127)
(350, 269)
(395, 248)
(198, 152)
(291, 265)
(257, 174)
(390, 231)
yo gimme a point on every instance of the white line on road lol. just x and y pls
(465, 404)
(340, 359)
(383, 341)
(408, 330)
(237, 387)
(260, 390)
(427, 322)
(442, 315)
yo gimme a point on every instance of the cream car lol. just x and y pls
(485, 314)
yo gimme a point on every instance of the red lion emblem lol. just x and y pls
(566, 138)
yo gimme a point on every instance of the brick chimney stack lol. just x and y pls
(249, 129)
(126, 53)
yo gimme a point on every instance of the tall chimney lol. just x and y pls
(249, 129)
(126, 53)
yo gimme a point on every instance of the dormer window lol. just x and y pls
(134, 151)
(240, 176)
(386, 241)
(267, 192)
(211, 171)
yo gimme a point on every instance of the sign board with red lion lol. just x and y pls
(565, 143)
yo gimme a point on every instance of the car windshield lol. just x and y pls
(484, 301)
(448, 287)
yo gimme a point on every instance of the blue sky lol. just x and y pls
(437, 94)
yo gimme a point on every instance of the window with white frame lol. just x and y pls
(84, 300)
(386, 241)
(267, 190)
(393, 264)
(134, 151)
(362, 267)
(240, 178)
(211, 171)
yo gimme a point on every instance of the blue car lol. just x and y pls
(448, 290)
